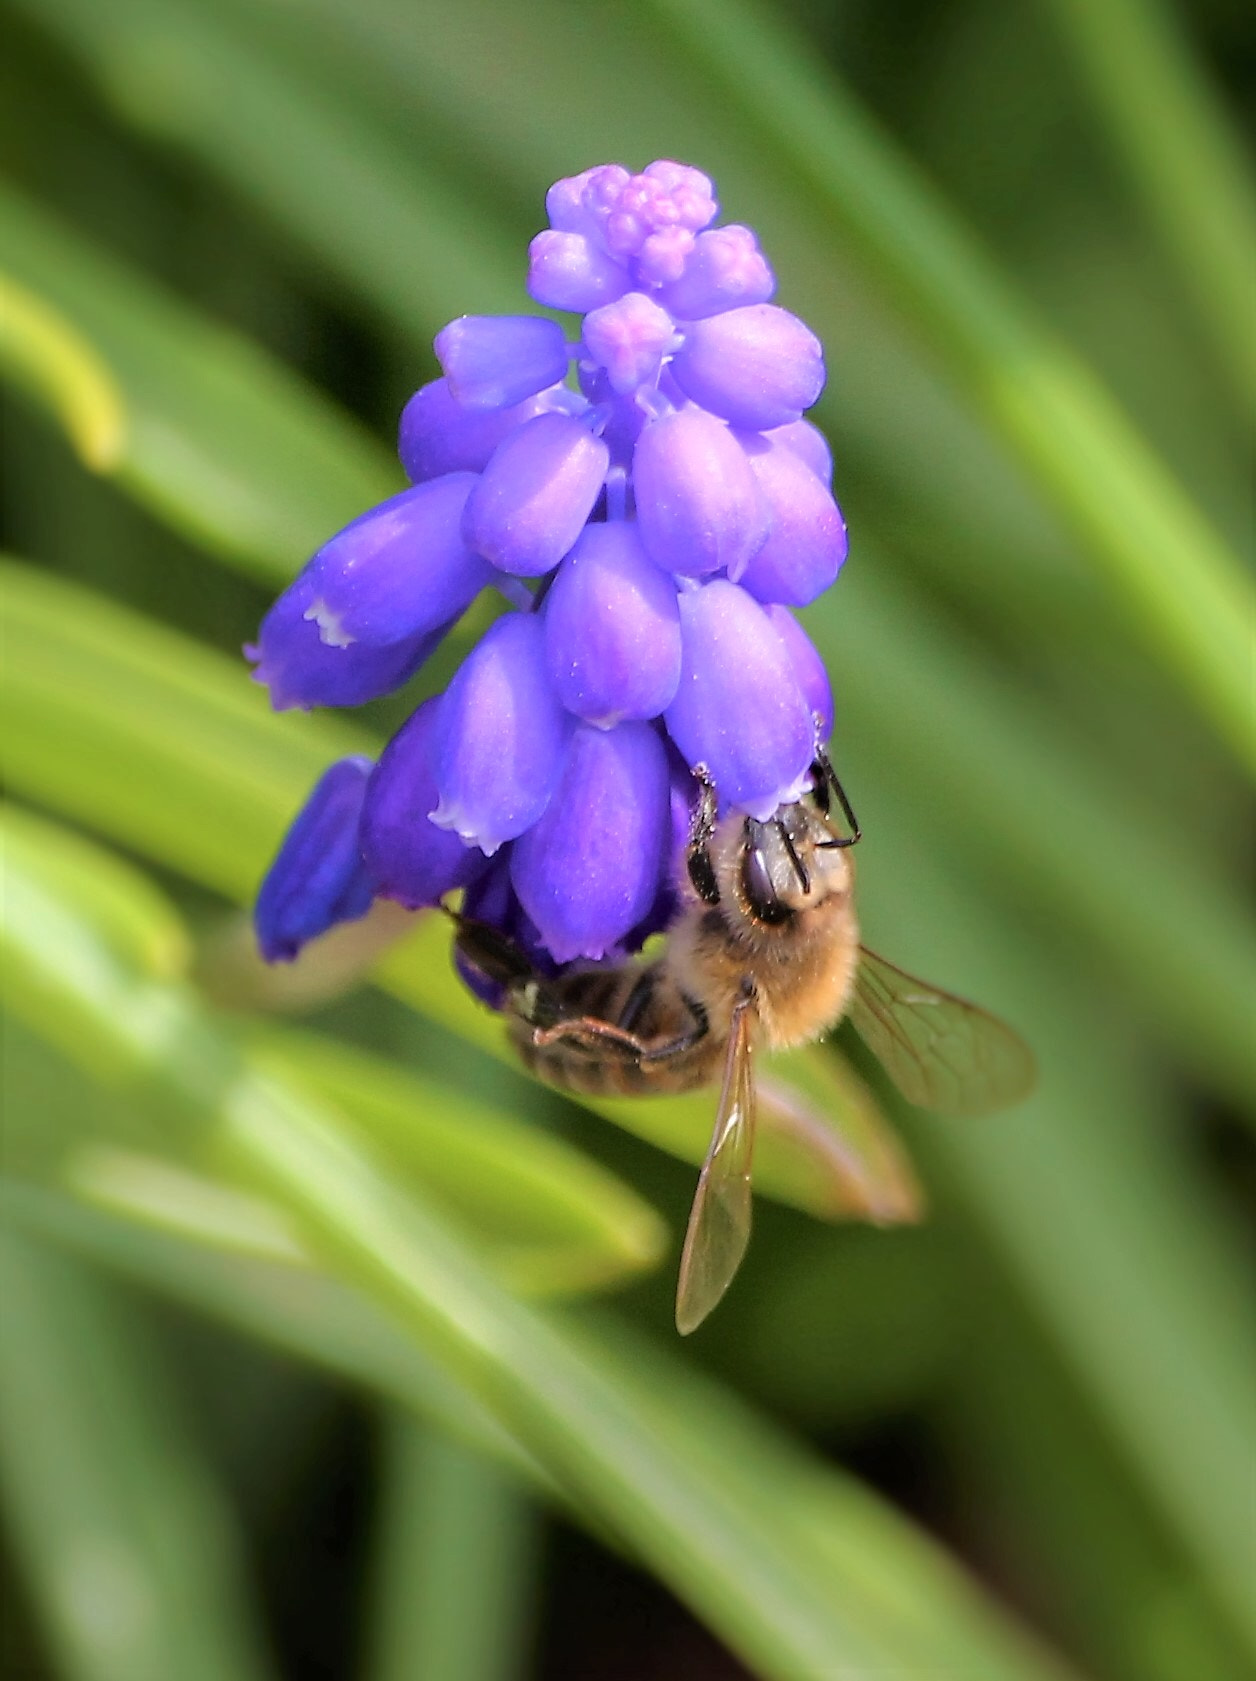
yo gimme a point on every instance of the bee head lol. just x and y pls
(790, 863)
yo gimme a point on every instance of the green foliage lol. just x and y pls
(226, 225)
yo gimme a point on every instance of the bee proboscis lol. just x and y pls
(764, 950)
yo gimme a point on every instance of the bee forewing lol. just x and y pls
(719, 1221)
(940, 1051)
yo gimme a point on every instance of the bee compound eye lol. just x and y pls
(760, 891)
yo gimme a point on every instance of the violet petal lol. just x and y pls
(806, 546)
(663, 256)
(612, 629)
(581, 203)
(410, 859)
(318, 878)
(534, 496)
(809, 668)
(758, 366)
(400, 570)
(739, 709)
(495, 361)
(698, 502)
(809, 444)
(438, 435)
(591, 869)
(572, 271)
(628, 338)
(301, 669)
(501, 737)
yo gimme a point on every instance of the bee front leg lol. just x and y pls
(701, 830)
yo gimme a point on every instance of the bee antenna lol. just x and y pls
(800, 869)
(827, 778)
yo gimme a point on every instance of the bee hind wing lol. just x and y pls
(940, 1051)
(719, 1221)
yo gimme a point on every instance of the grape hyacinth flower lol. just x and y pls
(645, 496)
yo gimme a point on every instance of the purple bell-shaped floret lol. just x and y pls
(739, 710)
(301, 668)
(318, 877)
(402, 570)
(612, 629)
(809, 444)
(806, 544)
(500, 738)
(495, 361)
(439, 435)
(629, 339)
(757, 367)
(809, 668)
(699, 504)
(588, 871)
(531, 501)
(408, 857)
(573, 271)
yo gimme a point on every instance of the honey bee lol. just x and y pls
(763, 952)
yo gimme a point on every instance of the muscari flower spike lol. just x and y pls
(648, 500)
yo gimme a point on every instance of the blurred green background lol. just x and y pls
(330, 1345)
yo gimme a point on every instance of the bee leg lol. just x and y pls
(667, 1049)
(590, 1033)
(702, 828)
(594, 1033)
(493, 953)
(826, 779)
(638, 1000)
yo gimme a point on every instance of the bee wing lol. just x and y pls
(940, 1051)
(719, 1221)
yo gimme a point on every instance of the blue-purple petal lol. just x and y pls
(806, 545)
(612, 629)
(495, 361)
(408, 857)
(591, 869)
(739, 709)
(682, 801)
(301, 669)
(318, 877)
(399, 571)
(438, 435)
(758, 367)
(698, 502)
(532, 500)
(809, 668)
(501, 736)
(572, 271)
(808, 443)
